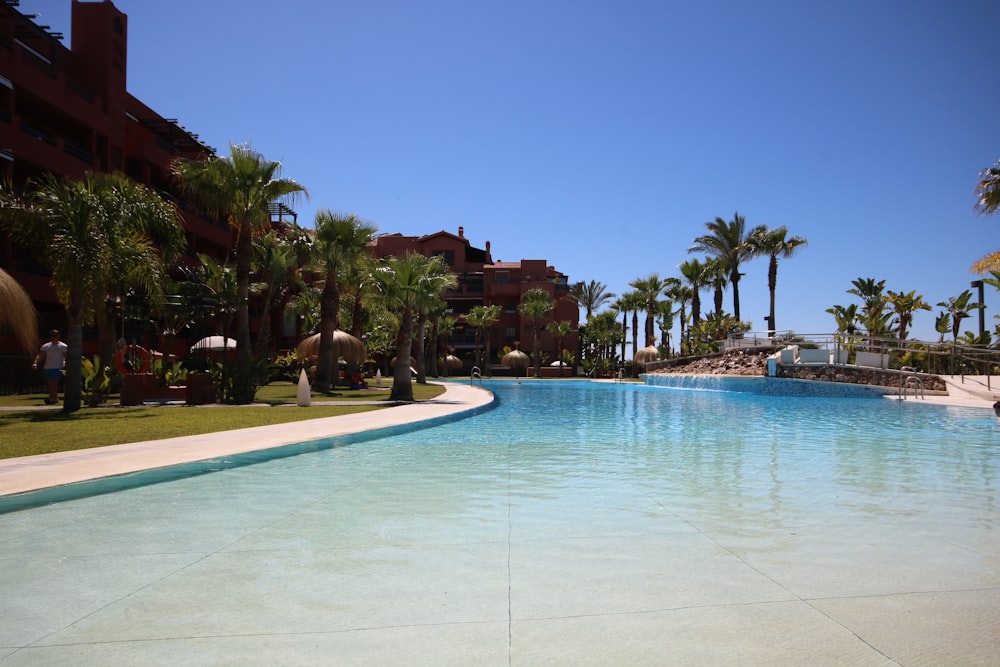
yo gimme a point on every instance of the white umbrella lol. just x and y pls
(213, 344)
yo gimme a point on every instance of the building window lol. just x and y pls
(510, 308)
(503, 276)
(510, 333)
(447, 255)
(289, 323)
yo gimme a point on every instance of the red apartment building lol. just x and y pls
(485, 282)
(67, 111)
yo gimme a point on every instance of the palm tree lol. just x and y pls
(559, 331)
(728, 242)
(904, 305)
(404, 283)
(239, 189)
(665, 314)
(482, 318)
(536, 306)
(276, 261)
(696, 274)
(649, 290)
(716, 276)
(437, 280)
(591, 295)
(958, 308)
(96, 236)
(773, 243)
(340, 241)
(681, 294)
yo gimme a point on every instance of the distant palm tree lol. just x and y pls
(773, 243)
(904, 305)
(649, 290)
(728, 242)
(482, 318)
(697, 275)
(591, 295)
(681, 294)
(716, 276)
(559, 331)
(536, 306)
(238, 189)
(958, 308)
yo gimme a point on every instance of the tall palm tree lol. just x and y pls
(905, 305)
(649, 290)
(276, 263)
(728, 242)
(717, 277)
(482, 318)
(591, 295)
(697, 275)
(145, 234)
(438, 279)
(339, 243)
(95, 234)
(536, 306)
(773, 243)
(681, 294)
(665, 319)
(403, 283)
(238, 189)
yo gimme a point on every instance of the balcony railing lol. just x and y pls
(78, 152)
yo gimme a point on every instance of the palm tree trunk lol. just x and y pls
(73, 390)
(418, 352)
(326, 364)
(402, 389)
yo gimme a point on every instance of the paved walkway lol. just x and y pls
(31, 473)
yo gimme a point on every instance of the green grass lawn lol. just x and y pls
(28, 432)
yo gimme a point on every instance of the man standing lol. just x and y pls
(53, 358)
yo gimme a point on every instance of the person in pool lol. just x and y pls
(53, 358)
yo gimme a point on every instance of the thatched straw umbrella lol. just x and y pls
(647, 354)
(345, 346)
(516, 360)
(453, 363)
(18, 313)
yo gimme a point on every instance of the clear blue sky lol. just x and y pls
(601, 136)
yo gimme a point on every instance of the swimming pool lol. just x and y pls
(574, 523)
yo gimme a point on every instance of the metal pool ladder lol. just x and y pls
(911, 380)
(476, 374)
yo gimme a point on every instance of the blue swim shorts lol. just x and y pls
(53, 373)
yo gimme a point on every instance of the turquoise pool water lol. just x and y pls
(573, 523)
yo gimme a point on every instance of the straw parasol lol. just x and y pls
(647, 354)
(18, 312)
(516, 359)
(453, 363)
(345, 346)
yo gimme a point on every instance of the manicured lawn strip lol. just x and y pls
(44, 431)
(29, 432)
